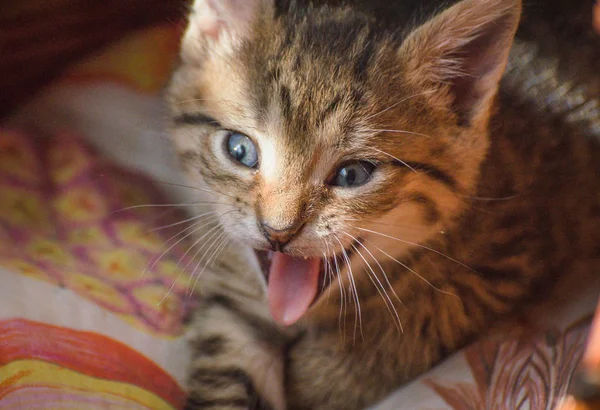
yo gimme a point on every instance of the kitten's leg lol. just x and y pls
(321, 377)
(237, 361)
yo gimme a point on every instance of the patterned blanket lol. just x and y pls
(95, 282)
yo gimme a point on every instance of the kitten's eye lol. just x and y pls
(242, 149)
(353, 174)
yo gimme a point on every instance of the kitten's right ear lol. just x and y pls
(220, 25)
(459, 56)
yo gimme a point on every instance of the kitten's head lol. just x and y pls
(320, 131)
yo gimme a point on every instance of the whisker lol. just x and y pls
(152, 263)
(182, 222)
(211, 241)
(353, 289)
(423, 247)
(401, 132)
(386, 299)
(398, 103)
(341, 328)
(195, 188)
(221, 249)
(380, 267)
(222, 240)
(210, 233)
(412, 227)
(190, 227)
(167, 206)
(328, 270)
(208, 261)
(172, 286)
(166, 296)
(202, 237)
(397, 159)
(479, 198)
(325, 278)
(413, 271)
(201, 100)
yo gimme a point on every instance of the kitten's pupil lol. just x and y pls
(354, 174)
(349, 174)
(242, 149)
(239, 152)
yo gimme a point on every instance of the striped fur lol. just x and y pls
(480, 199)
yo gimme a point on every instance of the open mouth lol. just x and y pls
(295, 283)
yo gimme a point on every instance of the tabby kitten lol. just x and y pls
(398, 202)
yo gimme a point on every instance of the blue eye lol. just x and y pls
(242, 149)
(353, 174)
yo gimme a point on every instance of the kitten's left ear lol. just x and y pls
(220, 25)
(460, 55)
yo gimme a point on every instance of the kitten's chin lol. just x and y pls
(294, 283)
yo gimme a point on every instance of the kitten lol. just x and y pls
(404, 199)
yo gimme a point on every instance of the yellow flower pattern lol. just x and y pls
(99, 291)
(70, 218)
(22, 208)
(80, 204)
(138, 235)
(121, 265)
(65, 218)
(17, 158)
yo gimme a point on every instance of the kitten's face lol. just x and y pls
(315, 136)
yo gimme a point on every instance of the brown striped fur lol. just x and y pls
(480, 199)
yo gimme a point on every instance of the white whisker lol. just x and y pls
(397, 159)
(218, 249)
(341, 329)
(215, 238)
(386, 299)
(167, 206)
(413, 271)
(197, 241)
(353, 289)
(423, 247)
(152, 263)
(398, 103)
(221, 249)
(328, 270)
(401, 132)
(367, 222)
(195, 188)
(211, 234)
(380, 268)
(182, 222)
(479, 198)
(164, 298)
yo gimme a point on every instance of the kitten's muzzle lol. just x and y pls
(278, 238)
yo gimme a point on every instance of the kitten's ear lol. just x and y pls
(461, 54)
(219, 25)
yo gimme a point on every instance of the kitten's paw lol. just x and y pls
(223, 389)
(237, 359)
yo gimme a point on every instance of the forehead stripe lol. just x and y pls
(195, 119)
(432, 172)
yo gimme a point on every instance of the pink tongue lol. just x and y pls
(293, 286)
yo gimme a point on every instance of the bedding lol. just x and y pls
(96, 286)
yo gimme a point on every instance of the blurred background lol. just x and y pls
(40, 38)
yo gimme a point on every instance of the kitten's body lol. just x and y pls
(467, 230)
